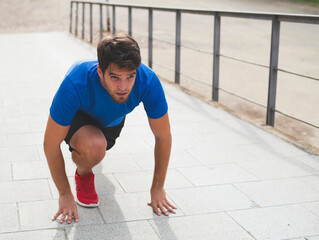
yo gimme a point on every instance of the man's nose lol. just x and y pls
(122, 85)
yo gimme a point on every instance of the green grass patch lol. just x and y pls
(315, 2)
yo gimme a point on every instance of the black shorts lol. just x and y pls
(81, 119)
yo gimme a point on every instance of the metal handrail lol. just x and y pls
(276, 19)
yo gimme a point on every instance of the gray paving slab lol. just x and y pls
(283, 222)
(311, 181)
(312, 206)
(131, 145)
(196, 127)
(53, 234)
(279, 192)
(38, 126)
(185, 141)
(142, 181)
(179, 158)
(221, 155)
(24, 191)
(25, 139)
(216, 174)
(22, 118)
(311, 161)
(140, 131)
(64, 148)
(38, 215)
(209, 199)
(9, 128)
(138, 230)
(30, 170)
(227, 139)
(37, 169)
(128, 207)
(3, 140)
(217, 226)
(273, 150)
(279, 168)
(9, 218)
(312, 238)
(5, 172)
(18, 153)
(121, 162)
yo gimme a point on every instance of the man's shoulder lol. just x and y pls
(145, 74)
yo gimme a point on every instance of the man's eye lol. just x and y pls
(114, 77)
(131, 76)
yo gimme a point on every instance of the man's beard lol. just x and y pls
(119, 100)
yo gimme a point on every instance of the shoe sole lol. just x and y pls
(92, 205)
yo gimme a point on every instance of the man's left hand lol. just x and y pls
(159, 203)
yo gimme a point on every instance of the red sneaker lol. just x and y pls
(85, 190)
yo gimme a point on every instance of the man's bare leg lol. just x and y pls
(89, 146)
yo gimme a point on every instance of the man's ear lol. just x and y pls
(99, 71)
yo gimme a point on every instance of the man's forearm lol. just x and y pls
(57, 168)
(162, 155)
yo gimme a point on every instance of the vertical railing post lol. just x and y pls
(101, 22)
(83, 12)
(71, 8)
(273, 69)
(108, 28)
(178, 47)
(113, 22)
(76, 18)
(150, 37)
(130, 21)
(216, 54)
(91, 23)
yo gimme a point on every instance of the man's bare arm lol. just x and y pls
(163, 141)
(54, 135)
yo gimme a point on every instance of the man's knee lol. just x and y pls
(90, 143)
(95, 151)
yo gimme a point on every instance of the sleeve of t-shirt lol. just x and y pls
(65, 103)
(154, 100)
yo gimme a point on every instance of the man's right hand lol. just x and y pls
(67, 208)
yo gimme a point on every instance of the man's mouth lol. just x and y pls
(122, 94)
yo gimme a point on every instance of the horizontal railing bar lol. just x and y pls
(296, 18)
(195, 79)
(252, 101)
(297, 119)
(197, 49)
(163, 41)
(256, 15)
(163, 66)
(244, 61)
(173, 43)
(298, 74)
(243, 98)
(184, 46)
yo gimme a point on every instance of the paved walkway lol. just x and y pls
(229, 179)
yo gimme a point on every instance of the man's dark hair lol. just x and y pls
(121, 50)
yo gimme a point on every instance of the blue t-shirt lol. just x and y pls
(82, 90)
